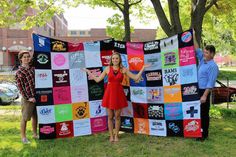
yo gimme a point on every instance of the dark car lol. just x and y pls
(221, 93)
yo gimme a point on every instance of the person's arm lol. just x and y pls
(21, 86)
(204, 96)
(98, 78)
(135, 77)
(196, 45)
(198, 51)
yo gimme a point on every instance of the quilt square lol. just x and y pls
(192, 128)
(107, 44)
(61, 95)
(82, 127)
(124, 59)
(79, 93)
(61, 78)
(151, 47)
(140, 83)
(106, 57)
(78, 77)
(155, 95)
(171, 76)
(47, 131)
(190, 92)
(188, 74)
(43, 78)
(76, 60)
(172, 94)
(156, 111)
(73, 47)
(41, 43)
(135, 48)
(80, 110)
(140, 110)
(138, 94)
(120, 46)
(174, 128)
(157, 127)
(64, 129)
(96, 109)
(136, 62)
(46, 114)
(63, 112)
(153, 78)
(44, 96)
(169, 44)
(59, 61)
(58, 45)
(99, 124)
(186, 38)
(187, 56)
(173, 111)
(192, 110)
(170, 59)
(154, 60)
(141, 126)
(127, 111)
(42, 60)
(127, 124)
(127, 92)
(92, 54)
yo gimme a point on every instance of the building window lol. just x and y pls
(82, 33)
(73, 32)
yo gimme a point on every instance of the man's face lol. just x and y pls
(207, 55)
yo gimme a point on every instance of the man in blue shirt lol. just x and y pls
(207, 75)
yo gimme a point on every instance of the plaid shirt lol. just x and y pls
(25, 82)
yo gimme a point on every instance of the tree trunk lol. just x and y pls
(126, 20)
(174, 16)
(197, 15)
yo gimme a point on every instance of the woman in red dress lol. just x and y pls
(114, 98)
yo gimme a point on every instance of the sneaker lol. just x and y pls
(25, 141)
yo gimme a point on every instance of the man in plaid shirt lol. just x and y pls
(25, 83)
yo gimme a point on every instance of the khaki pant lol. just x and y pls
(28, 109)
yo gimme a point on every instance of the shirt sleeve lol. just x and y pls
(212, 76)
(21, 87)
(199, 54)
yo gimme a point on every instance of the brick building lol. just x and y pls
(13, 39)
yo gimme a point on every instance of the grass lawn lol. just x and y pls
(231, 74)
(222, 142)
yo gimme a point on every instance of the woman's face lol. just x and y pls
(25, 58)
(115, 60)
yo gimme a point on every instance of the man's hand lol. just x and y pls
(32, 100)
(203, 99)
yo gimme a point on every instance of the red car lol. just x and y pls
(221, 93)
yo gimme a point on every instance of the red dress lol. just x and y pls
(114, 96)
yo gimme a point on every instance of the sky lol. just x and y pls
(84, 17)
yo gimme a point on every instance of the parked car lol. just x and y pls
(6, 96)
(221, 93)
(12, 87)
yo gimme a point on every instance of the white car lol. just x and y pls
(11, 87)
(6, 96)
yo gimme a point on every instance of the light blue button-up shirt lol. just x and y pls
(207, 71)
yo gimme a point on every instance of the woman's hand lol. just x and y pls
(146, 66)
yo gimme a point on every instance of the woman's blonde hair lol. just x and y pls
(118, 54)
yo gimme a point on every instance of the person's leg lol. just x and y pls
(34, 125)
(23, 128)
(110, 123)
(205, 107)
(117, 124)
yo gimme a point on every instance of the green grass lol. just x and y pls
(221, 143)
(227, 73)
